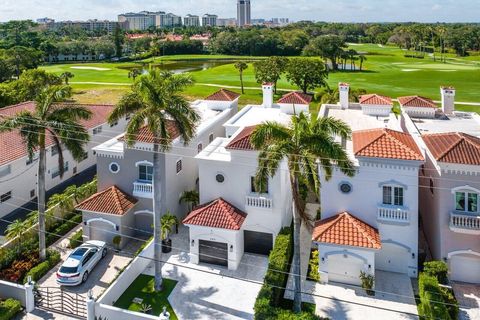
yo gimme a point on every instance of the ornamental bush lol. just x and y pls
(437, 269)
(76, 240)
(37, 272)
(9, 308)
(432, 303)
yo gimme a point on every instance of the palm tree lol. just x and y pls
(192, 198)
(155, 103)
(66, 76)
(241, 66)
(362, 59)
(64, 201)
(305, 144)
(56, 122)
(15, 230)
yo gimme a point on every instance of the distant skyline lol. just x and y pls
(318, 10)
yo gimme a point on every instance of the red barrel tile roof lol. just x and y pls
(242, 140)
(146, 136)
(345, 229)
(223, 95)
(110, 201)
(217, 214)
(385, 143)
(417, 102)
(454, 147)
(12, 146)
(296, 98)
(375, 99)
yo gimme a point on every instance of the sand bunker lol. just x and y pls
(91, 68)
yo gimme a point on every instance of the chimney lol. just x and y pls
(267, 95)
(343, 89)
(448, 100)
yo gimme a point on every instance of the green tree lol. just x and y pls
(64, 202)
(328, 47)
(307, 74)
(270, 70)
(362, 58)
(192, 198)
(156, 104)
(118, 40)
(241, 66)
(30, 84)
(15, 230)
(58, 122)
(66, 76)
(302, 143)
(24, 58)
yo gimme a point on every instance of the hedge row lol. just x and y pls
(37, 272)
(76, 240)
(270, 297)
(436, 302)
(9, 308)
(63, 228)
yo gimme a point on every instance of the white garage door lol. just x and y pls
(344, 269)
(102, 231)
(393, 258)
(465, 268)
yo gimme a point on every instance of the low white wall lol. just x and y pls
(109, 312)
(418, 112)
(13, 290)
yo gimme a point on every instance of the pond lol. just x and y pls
(182, 66)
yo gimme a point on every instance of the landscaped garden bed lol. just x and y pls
(9, 308)
(141, 296)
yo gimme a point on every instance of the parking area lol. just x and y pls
(468, 296)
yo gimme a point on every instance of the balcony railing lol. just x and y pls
(259, 201)
(465, 223)
(392, 214)
(143, 189)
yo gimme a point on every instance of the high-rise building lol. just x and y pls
(191, 21)
(89, 25)
(146, 19)
(209, 20)
(243, 13)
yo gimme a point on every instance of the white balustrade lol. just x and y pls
(143, 189)
(393, 214)
(259, 202)
(464, 221)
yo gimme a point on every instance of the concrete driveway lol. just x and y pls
(101, 276)
(394, 299)
(468, 296)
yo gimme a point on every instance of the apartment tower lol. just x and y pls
(243, 13)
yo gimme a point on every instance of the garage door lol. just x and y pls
(214, 252)
(102, 231)
(258, 242)
(344, 269)
(393, 258)
(144, 223)
(465, 268)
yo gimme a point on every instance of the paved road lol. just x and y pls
(22, 212)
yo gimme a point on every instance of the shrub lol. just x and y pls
(76, 240)
(368, 282)
(449, 298)
(9, 308)
(313, 273)
(437, 269)
(37, 272)
(116, 242)
(432, 304)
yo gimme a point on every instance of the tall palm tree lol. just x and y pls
(66, 76)
(15, 230)
(64, 201)
(192, 198)
(155, 103)
(241, 66)
(306, 144)
(362, 59)
(50, 120)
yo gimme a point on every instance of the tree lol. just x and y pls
(307, 74)
(118, 39)
(67, 76)
(64, 202)
(15, 230)
(270, 70)
(192, 198)
(155, 103)
(134, 73)
(302, 143)
(362, 59)
(241, 66)
(328, 47)
(56, 121)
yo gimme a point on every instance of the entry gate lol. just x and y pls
(58, 300)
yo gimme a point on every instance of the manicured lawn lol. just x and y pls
(142, 288)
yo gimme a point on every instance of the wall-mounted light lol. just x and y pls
(445, 259)
(369, 266)
(323, 259)
(231, 248)
(413, 255)
(193, 243)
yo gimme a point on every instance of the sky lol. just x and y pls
(317, 10)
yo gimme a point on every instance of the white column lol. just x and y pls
(90, 307)
(344, 89)
(29, 297)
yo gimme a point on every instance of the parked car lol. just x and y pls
(80, 263)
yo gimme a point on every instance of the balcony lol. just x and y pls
(387, 214)
(143, 189)
(465, 223)
(259, 201)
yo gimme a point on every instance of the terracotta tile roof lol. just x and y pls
(110, 201)
(385, 143)
(223, 95)
(345, 229)
(417, 101)
(12, 146)
(146, 136)
(242, 140)
(296, 98)
(216, 214)
(454, 147)
(375, 99)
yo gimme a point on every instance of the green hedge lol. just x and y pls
(437, 269)
(76, 240)
(63, 228)
(432, 303)
(37, 272)
(9, 308)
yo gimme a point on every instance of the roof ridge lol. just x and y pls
(118, 200)
(461, 138)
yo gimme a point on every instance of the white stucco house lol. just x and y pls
(234, 217)
(450, 186)
(18, 172)
(370, 221)
(123, 204)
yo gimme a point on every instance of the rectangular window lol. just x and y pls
(84, 157)
(393, 196)
(5, 171)
(6, 196)
(199, 148)
(145, 173)
(32, 193)
(398, 196)
(387, 195)
(97, 130)
(179, 166)
(460, 201)
(56, 171)
(466, 201)
(472, 204)
(114, 124)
